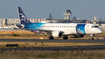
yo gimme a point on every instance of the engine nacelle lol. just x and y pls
(35, 31)
(39, 32)
(78, 35)
(57, 34)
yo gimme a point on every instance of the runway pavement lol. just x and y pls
(55, 40)
(55, 48)
(58, 48)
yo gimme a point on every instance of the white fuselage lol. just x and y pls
(67, 28)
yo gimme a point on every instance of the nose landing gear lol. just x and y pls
(92, 36)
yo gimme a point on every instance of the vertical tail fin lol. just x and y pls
(22, 16)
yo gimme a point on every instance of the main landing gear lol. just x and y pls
(51, 37)
(65, 37)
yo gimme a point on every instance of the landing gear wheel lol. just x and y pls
(92, 35)
(65, 37)
(51, 37)
(92, 38)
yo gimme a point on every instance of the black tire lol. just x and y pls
(92, 38)
(65, 37)
(51, 37)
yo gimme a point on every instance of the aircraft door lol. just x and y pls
(87, 28)
(80, 29)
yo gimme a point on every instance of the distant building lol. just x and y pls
(68, 14)
(89, 21)
(3, 22)
(74, 18)
(64, 21)
(50, 17)
(13, 21)
(97, 19)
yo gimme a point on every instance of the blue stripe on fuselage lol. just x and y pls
(80, 28)
(33, 25)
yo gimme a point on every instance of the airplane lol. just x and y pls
(58, 29)
(6, 28)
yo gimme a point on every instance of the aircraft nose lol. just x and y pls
(100, 31)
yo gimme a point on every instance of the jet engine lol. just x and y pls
(57, 34)
(78, 35)
(35, 31)
(39, 32)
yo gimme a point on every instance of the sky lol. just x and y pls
(83, 9)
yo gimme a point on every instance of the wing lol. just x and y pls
(44, 31)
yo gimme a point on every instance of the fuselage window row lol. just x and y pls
(57, 26)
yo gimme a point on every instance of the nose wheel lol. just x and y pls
(92, 36)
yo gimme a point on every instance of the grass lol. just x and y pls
(47, 44)
(15, 35)
(38, 54)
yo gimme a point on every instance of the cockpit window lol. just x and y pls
(95, 27)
